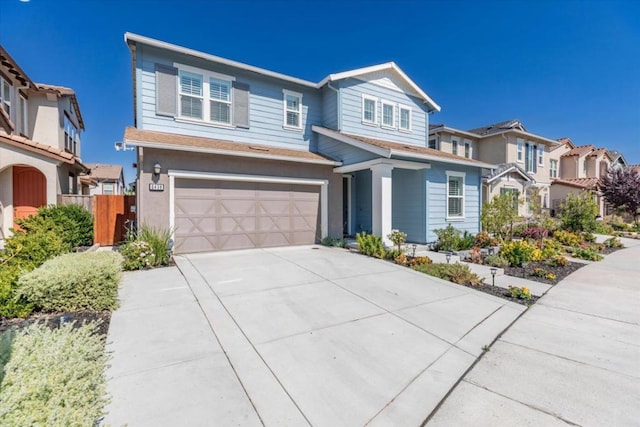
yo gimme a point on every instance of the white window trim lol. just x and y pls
(456, 143)
(286, 92)
(206, 99)
(400, 128)
(553, 169)
(375, 110)
(540, 155)
(459, 175)
(393, 115)
(520, 154)
(6, 98)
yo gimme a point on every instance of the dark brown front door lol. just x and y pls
(29, 191)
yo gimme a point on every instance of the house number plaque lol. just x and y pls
(156, 187)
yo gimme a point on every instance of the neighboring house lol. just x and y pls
(523, 165)
(581, 168)
(234, 156)
(40, 129)
(618, 159)
(104, 179)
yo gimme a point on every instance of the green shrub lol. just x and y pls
(52, 377)
(558, 261)
(499, 214)
(567, 238)
(370, 245)
(74, 282)
(613, 242)
(579, 213)
(39, 242)
(520, 293)
(137, 255)
(159, 240)
(392, 254)
(398, 238)
(332, 241)
(456, 273)
(452, 239)
(420, 260)
(588, 254)
(519, 252)
(74, 220)
(9, 305)
(496, 261)
(550, 248)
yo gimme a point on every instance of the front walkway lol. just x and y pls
(573, 359)
(292, 336)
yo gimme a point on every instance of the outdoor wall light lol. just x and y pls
(493, 275)
(156, 169)
(448, 256)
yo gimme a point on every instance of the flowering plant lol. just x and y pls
(397, 237)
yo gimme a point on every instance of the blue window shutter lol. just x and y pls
(526, 157)
(535, 158)
(166, 90)
(241, 105)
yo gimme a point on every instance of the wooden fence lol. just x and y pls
(111, 215)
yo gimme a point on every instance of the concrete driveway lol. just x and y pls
(292, 336)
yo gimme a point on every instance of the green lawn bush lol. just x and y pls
(52, 377)
(74, 220)
(589, 254)
(496, 260)
(519, 252)
(456, 273)
(370, 245)
(579, 213)
(147, 247)
(137, 255)
(452, 239)
(73, 282)
(40, 240)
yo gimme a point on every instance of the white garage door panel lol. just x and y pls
(220, 215)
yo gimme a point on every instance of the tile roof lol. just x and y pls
(64, 91)
(411, 149)
(176, 141)
(562, 143)
(499, 127)
(600, 151)
(579, 151)
(104, 172)
(586, 183)
(38, 148)
(12, 66)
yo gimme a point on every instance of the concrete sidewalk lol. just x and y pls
(292, 336)
(572, 359)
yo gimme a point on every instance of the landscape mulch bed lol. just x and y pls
(54, 320)
(560, 272)
(607, 251)
(503, 293)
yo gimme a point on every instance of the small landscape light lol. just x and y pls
(493, 275)
(448, 256)
(490, 251)
(413, 250)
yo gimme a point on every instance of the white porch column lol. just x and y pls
(381, 200)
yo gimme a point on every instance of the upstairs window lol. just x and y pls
(5, 96)
(540, 155)
(454, 147)
(531, 158)
(433, 144)
(455, 195)
(405, 118)
(220, 101)
(70, 136)
(388, 115)
(191, 95)
(553, 168)
(467, 150)
(107, 188)
(520, 150)
(369, 107)
(292, 109)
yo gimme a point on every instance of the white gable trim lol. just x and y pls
(510, 170)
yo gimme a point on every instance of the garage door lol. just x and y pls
(220, 215)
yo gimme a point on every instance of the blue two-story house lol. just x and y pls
(234, 156)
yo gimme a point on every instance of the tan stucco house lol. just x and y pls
(103, 179)
(40, 129)
(522, 159)
(581, 168)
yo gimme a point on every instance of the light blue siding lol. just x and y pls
(436, 181)
(351, 91)
(362, 185)
(409, 203)
(265, 105)
(330, 108)
(342, 152)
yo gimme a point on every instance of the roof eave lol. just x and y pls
(433, 158)
(454, 130)
(218, 151)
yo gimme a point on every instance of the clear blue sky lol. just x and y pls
(564, 68)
